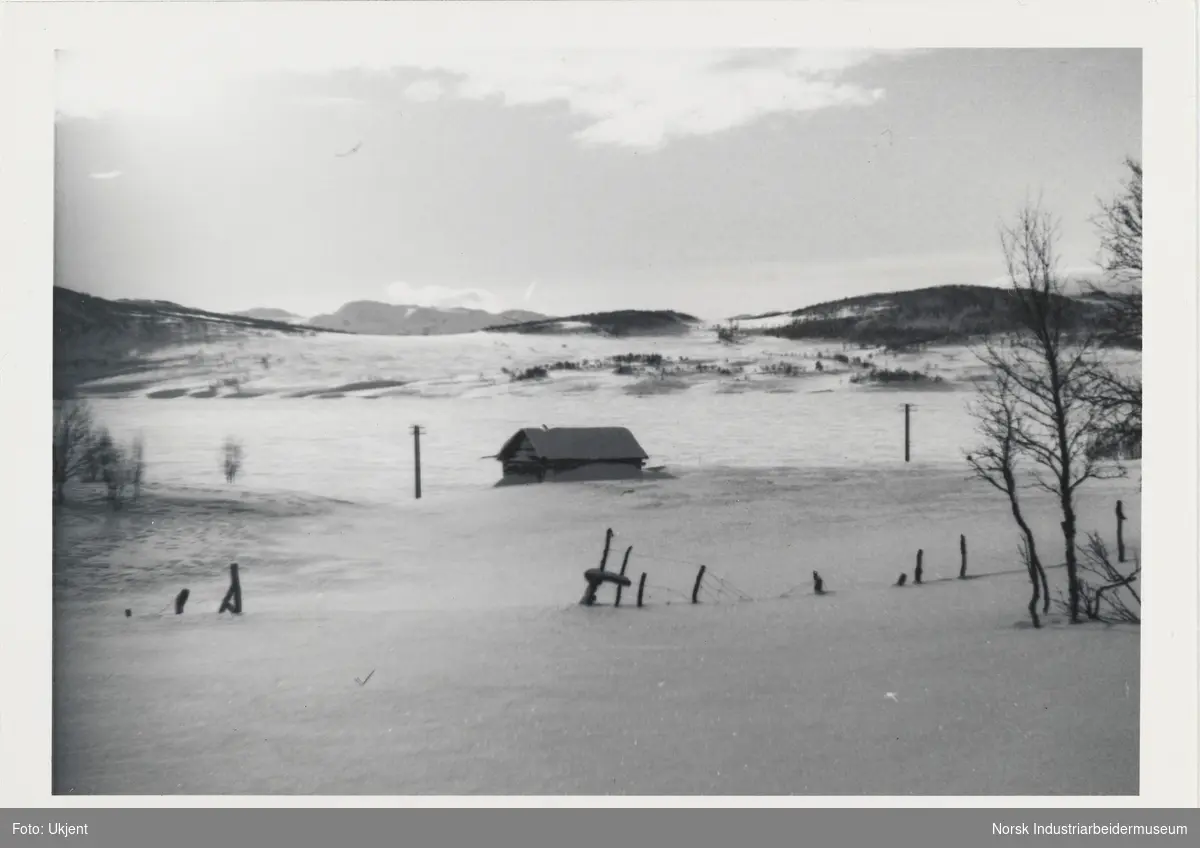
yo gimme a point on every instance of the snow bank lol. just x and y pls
(486, 677)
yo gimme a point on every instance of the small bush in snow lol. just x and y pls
(232, 458)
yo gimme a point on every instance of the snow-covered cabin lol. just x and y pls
(538, 454)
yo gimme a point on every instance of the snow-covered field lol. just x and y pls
(485, 675)
(330, 415)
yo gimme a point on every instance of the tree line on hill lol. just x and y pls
(937, 315)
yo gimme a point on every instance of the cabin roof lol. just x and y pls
(583, 443)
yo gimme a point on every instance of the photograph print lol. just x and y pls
(530, 422)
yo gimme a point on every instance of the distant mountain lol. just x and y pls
(940, 314)
(268, 314)
(387, 319)
(625, 322)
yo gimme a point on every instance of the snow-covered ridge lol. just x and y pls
(772, 320)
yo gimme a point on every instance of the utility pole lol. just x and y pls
(416, 431)
(907, 430)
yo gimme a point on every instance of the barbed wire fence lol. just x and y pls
(715, 588)
(711, 586)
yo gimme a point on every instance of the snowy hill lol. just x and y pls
(939, 314)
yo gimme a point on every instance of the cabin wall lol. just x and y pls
(596, 471)
(560, 465)
(526, 472)
(524, 462)
(524, 452)
(524, 469)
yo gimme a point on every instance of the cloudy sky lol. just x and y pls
(716, 183)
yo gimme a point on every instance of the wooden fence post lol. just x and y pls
(608, 534)
(624, 564)
(641, 588)
(696, 588)
(625, 561)
(233, 598)
(962, 549)
(1120, 532)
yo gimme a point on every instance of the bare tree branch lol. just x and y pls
(1039, 405)
(997, 411)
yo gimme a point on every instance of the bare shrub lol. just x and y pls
(116, 475)
(96, 447)
(652, 360)
(99, 454)
(889, 376)
(1106, 593)
(136, 465)
(232, 458)
(72, 436)
(729, 334)
(121, 469)
(537, 372)
(783, 369)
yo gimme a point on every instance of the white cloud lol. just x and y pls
(105, 175)
(443, 297)
(640, 99)
(645, 99)
(424, 91)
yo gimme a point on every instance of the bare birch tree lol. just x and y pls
(1119, 225)
(1049, 368)
(999, 420)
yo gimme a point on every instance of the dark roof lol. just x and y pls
(588, 443)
